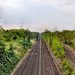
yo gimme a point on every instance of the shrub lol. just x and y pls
(67, 67)
(57, 47)
(2, 50)
(73, 73)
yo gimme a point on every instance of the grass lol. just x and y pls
(32, 41)
(58, 50)
(13, 55)
(73, 73)
(67, 67)
(18, 48)
(72, 45)
(57, 47)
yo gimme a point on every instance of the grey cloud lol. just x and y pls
(36, 16)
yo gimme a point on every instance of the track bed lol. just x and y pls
(39, 61)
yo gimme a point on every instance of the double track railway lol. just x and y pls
(39, 61)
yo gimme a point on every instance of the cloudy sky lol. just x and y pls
(38, 15)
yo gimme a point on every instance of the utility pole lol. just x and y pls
(21, 27)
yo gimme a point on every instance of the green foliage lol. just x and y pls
(57, 39)
(73, 73)
(57, 47)
(1, 33)
(72, 45)
(27, 43)
(11, 51)
(66, 36)
(67, 67)
(2, 50)
(7, 59)
(46, 36)
(54, 43)
(11, 48)
(73, 41)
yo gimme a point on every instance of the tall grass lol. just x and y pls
(57, 47)
(67, 67)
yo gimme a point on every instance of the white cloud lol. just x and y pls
(42, 13)
(10, 3)
(69, 8)
(65, 5)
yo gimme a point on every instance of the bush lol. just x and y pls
(8, 59)
(54, 43)
(2, 50)
(57, 47)
(9, 56)
(67, 67)
(73, 73)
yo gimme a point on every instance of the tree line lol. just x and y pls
(11, 48)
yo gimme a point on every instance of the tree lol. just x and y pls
(2, 50)
(1, 33)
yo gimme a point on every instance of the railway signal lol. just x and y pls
(37, 35)
(36, 38)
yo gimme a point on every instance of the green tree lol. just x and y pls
(2, 50)
(1, 33)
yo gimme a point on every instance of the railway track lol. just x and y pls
(49, 67)
(39, 61)
(69, 54)
(31, 67)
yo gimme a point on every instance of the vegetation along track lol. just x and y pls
(47, 63)
(39, 62)
(69, 54)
